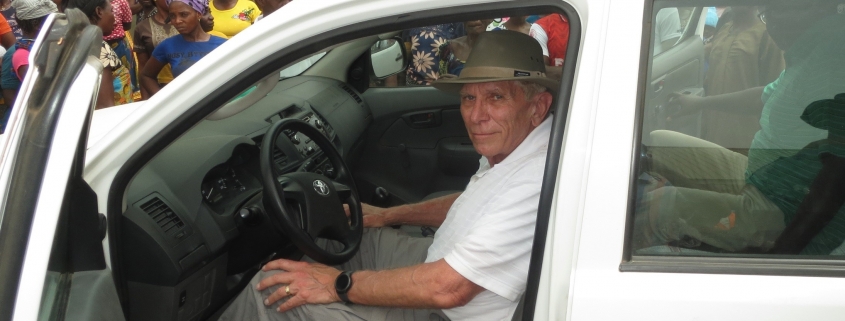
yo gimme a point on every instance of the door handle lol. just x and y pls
(426, 119)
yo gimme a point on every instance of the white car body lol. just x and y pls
(581, 277)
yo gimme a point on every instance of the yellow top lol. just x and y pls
(218, 34)
(231, 22)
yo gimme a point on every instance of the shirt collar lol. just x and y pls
(537, 139)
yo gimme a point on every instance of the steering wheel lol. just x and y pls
(305, 206)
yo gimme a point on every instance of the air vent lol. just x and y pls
(166, 219)
(352, 93)
(280, 158)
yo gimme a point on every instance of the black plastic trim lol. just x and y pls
(642, 79)
(315, 44)
(43, 110)
(547, 193)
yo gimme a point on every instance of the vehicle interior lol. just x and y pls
(235, 191)
(695, 159)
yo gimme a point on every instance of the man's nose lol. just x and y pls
(478, 112)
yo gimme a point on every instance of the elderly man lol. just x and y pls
(477, 264)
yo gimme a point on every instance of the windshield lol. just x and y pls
(300, 67)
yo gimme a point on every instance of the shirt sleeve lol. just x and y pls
(540, 35)
(20, 59)
(254, 13)
(160, 51)
(138, 40)
(668, 24)
(496, 253)
(4, 26)
(108, 57)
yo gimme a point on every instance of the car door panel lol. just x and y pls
(679, 70)
(416, 145)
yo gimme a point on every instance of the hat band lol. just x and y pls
(498, 72)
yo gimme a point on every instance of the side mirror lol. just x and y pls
(387, 57)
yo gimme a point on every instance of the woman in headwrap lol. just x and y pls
(117, 38)
(148, 34)
(115, 86)
(180, 51)
(30, 16)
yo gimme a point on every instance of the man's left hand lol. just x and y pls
(310, 283)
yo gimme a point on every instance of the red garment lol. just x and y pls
(557, 29)
(122, 14)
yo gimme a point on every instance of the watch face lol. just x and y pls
(343, 281)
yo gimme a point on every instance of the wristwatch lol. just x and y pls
(342, 285)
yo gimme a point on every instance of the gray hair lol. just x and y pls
(530, 89)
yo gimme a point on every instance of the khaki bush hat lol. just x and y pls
(501, 56)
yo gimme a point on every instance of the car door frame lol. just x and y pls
(175, 120)
(45, 150)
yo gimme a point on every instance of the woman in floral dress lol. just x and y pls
(115, 86)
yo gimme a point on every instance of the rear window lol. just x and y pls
(742, 131)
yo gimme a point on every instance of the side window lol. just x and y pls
(742, 142)
(436, 50)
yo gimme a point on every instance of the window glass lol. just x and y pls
(743, 132)
(301, 66)
(437, 50)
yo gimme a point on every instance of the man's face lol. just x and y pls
(498, 117)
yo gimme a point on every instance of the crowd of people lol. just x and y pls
(440, 50)
(146, 43)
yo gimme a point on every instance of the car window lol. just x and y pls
(430, 53)
(742, 150)
(301, 66)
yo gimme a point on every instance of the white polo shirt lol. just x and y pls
(489, 230)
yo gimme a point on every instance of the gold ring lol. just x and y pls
(287, 289)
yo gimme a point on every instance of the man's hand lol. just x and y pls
(309, 283)
(682, 105)
(373, 216)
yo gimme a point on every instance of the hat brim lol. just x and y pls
(454, 84)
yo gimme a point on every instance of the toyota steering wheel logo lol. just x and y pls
(321, 187)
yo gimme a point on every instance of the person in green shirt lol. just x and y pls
(783, 160)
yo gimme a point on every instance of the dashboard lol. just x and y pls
(193, 222)
(224, 185)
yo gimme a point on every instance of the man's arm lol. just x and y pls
(744, 102)
(429, 285)
(428, 213)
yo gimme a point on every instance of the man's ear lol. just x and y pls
(542, 103)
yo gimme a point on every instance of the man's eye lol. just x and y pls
(469, 98)
(498, 97)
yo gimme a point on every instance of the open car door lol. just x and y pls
(51, 234)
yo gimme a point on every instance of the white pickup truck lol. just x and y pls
(694, 172)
